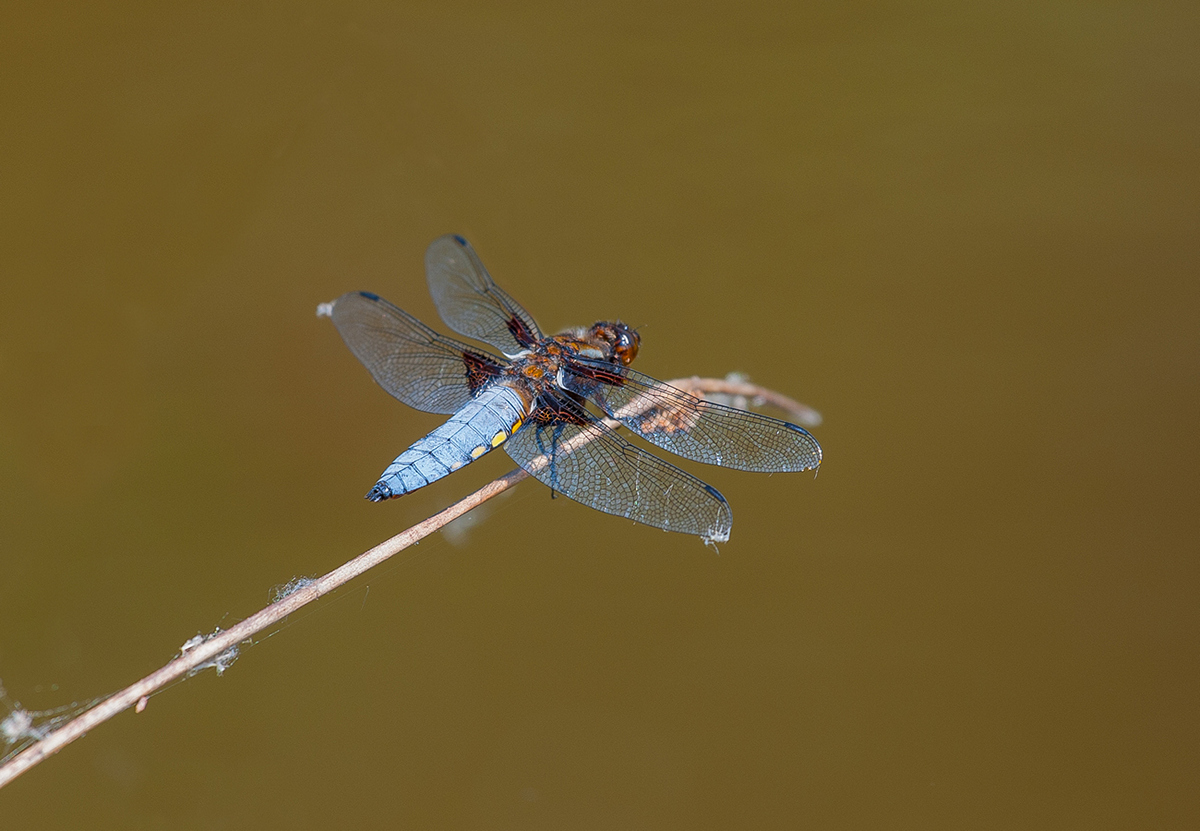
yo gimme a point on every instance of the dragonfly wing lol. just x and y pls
(470, 301)
(690, 426)
(414, 363)
(577, 455)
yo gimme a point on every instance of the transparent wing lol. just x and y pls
(470, 302)
(689, 426)
(408, 359)
(576, 455)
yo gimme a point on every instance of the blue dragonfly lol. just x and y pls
(532, 400)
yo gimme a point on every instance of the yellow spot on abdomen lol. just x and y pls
(499, 438)
(479, 451)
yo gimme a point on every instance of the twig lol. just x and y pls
(210, 650)
(738, 387)
(219, 649)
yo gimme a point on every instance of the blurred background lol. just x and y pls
(967, 234)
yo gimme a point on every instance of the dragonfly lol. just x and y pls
(532, 399)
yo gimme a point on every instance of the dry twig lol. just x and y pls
(219, 649)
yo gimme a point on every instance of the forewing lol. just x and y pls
(690, 426)
(470, 302)
(576, 455)
(408, 359)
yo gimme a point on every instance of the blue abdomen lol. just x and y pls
(482, 424)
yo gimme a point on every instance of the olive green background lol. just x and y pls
(969, 234)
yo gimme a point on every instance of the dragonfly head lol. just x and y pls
(616, 339)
